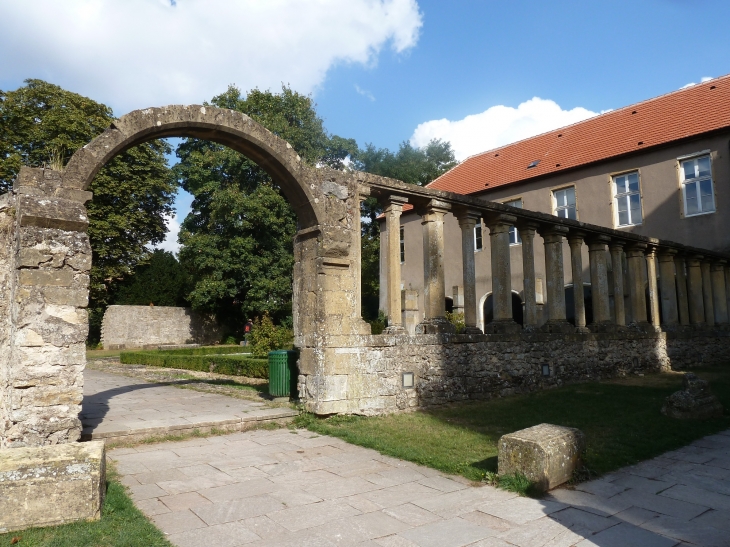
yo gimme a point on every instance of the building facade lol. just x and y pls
(658, 168)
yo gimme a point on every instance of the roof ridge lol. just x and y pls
(562, 128)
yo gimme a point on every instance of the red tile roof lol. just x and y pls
(677, 115)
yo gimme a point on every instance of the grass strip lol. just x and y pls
(121, 525)
(232, 365)
(621, 421)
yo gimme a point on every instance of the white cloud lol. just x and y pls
(139, 53)
(498, 125)
(702, 81)
(364, 92)
(173, 229)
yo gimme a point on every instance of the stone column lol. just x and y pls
(727, 288)
(707, 298)
(694, 296)
(457, 297)
(393, 210)
(553, 237)
(434, 289)
(599, 283)
(499, 227)
(527, 234)
(668, 286)
(651, 275)
(682, 298)
(617, 249)
(575, 240)
(719, 291)
(467, 222)
(637, 297)
(409, 305)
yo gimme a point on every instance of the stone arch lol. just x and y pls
(228, 127)
(484, 311)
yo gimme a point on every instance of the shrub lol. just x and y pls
(234, 365)
(266, 337)
(456, 319)
(377, 326)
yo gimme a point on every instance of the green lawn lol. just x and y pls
(621, 421)
(121, 525)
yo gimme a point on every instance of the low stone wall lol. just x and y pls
(126, 327)
(448, 368)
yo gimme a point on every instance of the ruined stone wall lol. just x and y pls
(450, 368)
(152, 326)
(47, 284)
(7, 289)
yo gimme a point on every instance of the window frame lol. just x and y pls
(513, 229)
(683, 183)
(554, 201)
(614, 197)
(402, 244)
(479, 242)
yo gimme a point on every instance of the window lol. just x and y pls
(478, 236)
(514, 235)
(627, 198)
(565, 203)
(696, 177)
(402, 246)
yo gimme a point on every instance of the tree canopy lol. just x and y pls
(42, 124)
(162, 282)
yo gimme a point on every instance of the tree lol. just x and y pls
(162, 282)
(42, 124)
(417, 166)
(237, 240)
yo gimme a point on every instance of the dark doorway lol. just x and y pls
(517, 311)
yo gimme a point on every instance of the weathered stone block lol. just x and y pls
(51, 485)
(546, 454)
(55, 278)
(694, 402)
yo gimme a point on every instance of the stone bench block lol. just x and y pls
(546, 454)
(51, 485)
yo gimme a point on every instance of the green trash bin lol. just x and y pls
(282, 373)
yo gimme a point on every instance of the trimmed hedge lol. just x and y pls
(205, 350)
(234, 365)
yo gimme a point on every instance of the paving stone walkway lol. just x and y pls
(119, 408)
(295, 488)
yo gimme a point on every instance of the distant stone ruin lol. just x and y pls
(127, 327)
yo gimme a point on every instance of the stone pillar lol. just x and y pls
(499, 227)
(694, 296)
(599, 283)
(682, 297)
(651, 276)
(409, 305)
(707, 298)
(617, 250)
(727, 288)
(719, 291)
(393, 210)
(434, 289)
(670, 314)
(553, 237)
(527, 234)
(575, 240)
(637, 297)
(467, 221)
(457, 297)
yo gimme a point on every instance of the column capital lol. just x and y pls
(601, 239)
(525, 225)
(718, 265)
(394, 203)
(552, 230)
(666, 254)
(694, 260)
(500, 223)
(634, 250)
(576, 237)
(616, 245)
(467, 217)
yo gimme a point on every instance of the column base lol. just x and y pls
(502, 326)
(583, 330)
(395, 329)
(435, 325)
(471, 330)
(643, 326)
(560, 326)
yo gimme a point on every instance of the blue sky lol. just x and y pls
(381, 71)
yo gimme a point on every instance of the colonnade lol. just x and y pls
(684, 288)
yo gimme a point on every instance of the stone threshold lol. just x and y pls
(250, 421)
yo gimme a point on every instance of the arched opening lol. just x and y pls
(449, 304)
(570, 303)
(487, 309)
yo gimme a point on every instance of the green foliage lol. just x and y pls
(237, 241)
(378, 325)
(121, 525)
(456, 319)
(204, 350)
(516, 482)
(234, 365)
(266, 337)
(43, 124)
(162, 282)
